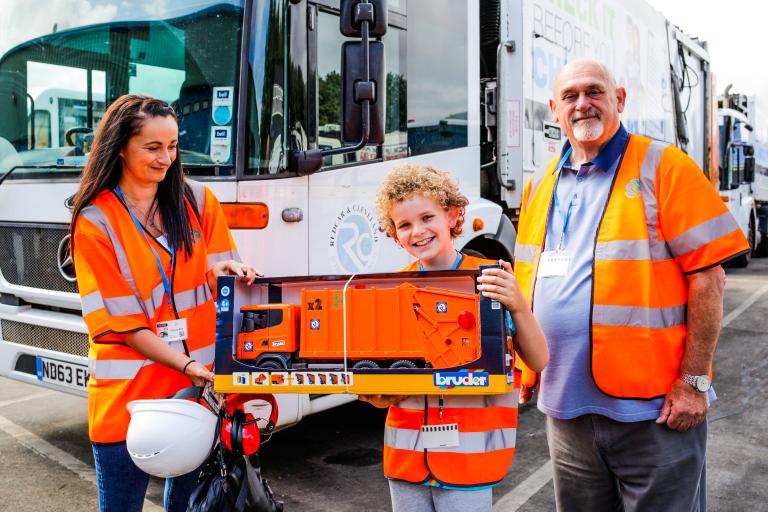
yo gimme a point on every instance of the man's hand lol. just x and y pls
(684, 408)
(382, 401)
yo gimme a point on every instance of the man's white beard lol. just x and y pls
(587, 131)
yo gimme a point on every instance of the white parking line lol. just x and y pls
(57, 455)
(12, 401)
(730, 317)
(518, 496)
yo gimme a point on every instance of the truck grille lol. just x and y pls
(74, 343)
(28, 255)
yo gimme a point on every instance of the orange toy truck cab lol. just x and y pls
(272, 328)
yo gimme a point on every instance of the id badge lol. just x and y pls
(440, 436)
(554, 263)
(172, 330)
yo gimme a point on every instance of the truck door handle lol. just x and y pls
(293, 215)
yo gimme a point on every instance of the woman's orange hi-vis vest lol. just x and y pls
(487, 432)
(122, 292)
(663, 220)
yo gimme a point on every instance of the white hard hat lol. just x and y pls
(169, 437)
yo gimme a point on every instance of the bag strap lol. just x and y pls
(242, 495)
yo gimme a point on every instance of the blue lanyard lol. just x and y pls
(456, 263)
(166, 281)
(567, 215)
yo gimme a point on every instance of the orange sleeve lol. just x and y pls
(697, 226)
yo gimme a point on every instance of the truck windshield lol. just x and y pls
(63, 62)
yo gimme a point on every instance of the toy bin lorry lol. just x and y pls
(415, 332)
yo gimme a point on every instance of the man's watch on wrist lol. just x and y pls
(700, 383)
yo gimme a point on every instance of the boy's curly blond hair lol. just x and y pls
(407, 180)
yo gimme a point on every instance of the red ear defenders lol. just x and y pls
(239, 430)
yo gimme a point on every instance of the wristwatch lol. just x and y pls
(698, 382)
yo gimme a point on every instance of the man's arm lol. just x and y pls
(684, 407)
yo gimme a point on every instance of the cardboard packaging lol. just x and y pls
(388, 334)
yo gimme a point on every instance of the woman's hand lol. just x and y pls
(500, 284)
(235, 268)
(382, 401)
(198, 373)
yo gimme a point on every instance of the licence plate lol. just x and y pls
(62, 373)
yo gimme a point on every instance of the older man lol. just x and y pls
(619, 249)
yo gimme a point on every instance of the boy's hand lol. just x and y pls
(500, 284)
(382, 401)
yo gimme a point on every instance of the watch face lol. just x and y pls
(702, 383)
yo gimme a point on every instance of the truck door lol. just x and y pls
(547, 57)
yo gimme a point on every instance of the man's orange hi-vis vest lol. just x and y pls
(662, 221)
(122, 292)
(487, 432)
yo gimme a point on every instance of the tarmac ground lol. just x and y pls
(332, 461)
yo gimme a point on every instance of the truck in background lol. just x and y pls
(465, 90)
(744, 170)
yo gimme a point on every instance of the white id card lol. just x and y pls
(172, 330)
(440, 436)
(554, 263)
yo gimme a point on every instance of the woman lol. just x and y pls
(148, 246)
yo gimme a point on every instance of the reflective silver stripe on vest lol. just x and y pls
(648, 171)
(703, 234)
(525, 253)
(214, 258)
(99, 219)
(192, 298)
(198, 191)
(469, 442)
(465, 401)
(128, 368)
(156, 299)
(623, 250)
(122, 306)
(637, 316)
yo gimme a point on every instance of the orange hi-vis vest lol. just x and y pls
(662, 220)
(122, 292)
(487, 432)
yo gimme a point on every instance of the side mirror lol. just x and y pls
(354, 12)
(749, 167)
(355, 90)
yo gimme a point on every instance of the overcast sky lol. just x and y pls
(735, 32)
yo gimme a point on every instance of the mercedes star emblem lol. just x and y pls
(64, 260)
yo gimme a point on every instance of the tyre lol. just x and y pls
(744, 259)
(761, 251)
(271, 364)
(365, 364)
(403, 363)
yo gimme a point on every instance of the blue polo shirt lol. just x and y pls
(562, 304)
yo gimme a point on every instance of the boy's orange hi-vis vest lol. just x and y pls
(122, 292)
(663, 220)
(487, 433)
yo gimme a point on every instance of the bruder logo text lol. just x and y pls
(463, 378)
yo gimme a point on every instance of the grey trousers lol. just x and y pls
(604, 465)
(421, 498)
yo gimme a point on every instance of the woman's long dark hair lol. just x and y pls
(122, 120)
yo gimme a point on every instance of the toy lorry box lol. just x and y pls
(397, 333)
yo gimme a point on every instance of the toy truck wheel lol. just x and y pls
(271, 364)
(403, 363)
(365, 364)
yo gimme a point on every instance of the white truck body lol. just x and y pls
(40, 323)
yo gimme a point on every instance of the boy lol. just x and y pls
(422, 209)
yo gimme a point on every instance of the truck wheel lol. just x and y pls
(365, 364)
(743, 260)
(403, 363)
(271, 364)
(761, 251)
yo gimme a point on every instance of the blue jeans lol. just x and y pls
(122, 485)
